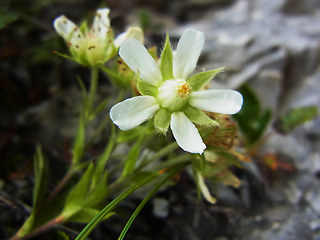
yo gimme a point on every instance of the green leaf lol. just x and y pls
(166, 66)
(6, 18)
(130, 161)
(251, 107)
(40, 179)
(78, 195)
(199, 80)
(78, 148)
(100, 108)
(146, 199)
(85, 198)
(104, 212)
(146, 88)
(126, 136)
(251, 119)
(296, 117)
(84, 215)
(162, 120)
(41, 174)
(103, 158)
(199, 117)
(62, 236)
(99, 192)
(84, 92)
(261, 124)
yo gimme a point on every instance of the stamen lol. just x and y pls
(183, 89)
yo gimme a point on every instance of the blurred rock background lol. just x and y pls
(274, 45)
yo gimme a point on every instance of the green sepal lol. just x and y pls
(146, 88)
(199, 80)
(64, 56)
(162, 120)
(199, 117)
(84, 27)
(166, 66)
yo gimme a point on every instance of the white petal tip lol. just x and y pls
(186, 134)
(64, 26)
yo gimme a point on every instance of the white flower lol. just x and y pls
(88, 46)
(170, 95)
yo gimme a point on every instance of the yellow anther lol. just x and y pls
(183, 89)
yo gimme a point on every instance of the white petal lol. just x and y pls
(218, 101)
(132, 112)
(187, 54)
(120, 39)
(64, 27)
(186, 134)
(134, 32)
(102, 18)
(101, 23)
(140, 61)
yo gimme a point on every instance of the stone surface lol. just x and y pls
(274, 45)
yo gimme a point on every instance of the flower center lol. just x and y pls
(182, 88)
(173, 94)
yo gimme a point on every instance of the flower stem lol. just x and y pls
(93, 90)
(168, 149)
(41, 229)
